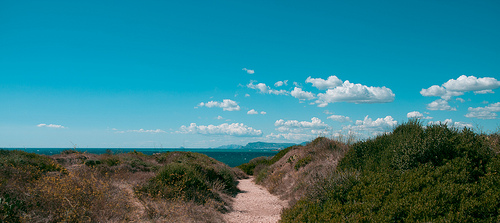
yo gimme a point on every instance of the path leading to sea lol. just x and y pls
(255, 204)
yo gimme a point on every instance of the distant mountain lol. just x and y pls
(260, 145)
(232, 146)
(267, 145)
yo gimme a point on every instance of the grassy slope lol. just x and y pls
(83, 187)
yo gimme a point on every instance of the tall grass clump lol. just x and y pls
(414, 174)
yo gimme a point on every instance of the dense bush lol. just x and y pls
(414, 174)
(263, 161)
(18, 170)
(191, 177)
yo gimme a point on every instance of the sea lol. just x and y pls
(231, 157)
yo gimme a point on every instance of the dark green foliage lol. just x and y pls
(249, 167)
(191, 177)
(69, 151)
(302, 162)
(92, 163)
(414, 174)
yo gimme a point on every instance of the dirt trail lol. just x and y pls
(255, 204)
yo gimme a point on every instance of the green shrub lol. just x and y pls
(249, 167)
(414, 174)
(303, 162)
(92, 163)
(191, 177)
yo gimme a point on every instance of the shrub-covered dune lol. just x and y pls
(414, 174)
(82, 187)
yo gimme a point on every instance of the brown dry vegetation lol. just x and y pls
(82, 187)
(300, 168)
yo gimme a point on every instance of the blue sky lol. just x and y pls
(210, 73)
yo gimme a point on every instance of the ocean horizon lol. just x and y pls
(231, 157)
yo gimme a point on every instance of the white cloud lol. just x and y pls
(302, 95)
(416, 114)
(252, 112)
(281, 83)
(315, 123)
(461, 100)
(297, 137)
(355, 93)
(264, 89)
(440, 104)
(339, 118)
(484, 92)
(376, 127)
(233, 129)
(147, 131)
(219, 117)
(438, 91)
(462, 84)
(51, 126)
(451, 123)
(249, 71)
(226, 105)
(445, 122)
(487, 112)
(247, 95)
(321, 84)
(471, 83)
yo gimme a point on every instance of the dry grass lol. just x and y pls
(82, 187)
(299, 169)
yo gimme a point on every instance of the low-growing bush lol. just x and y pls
(302, 162)
(192, 177)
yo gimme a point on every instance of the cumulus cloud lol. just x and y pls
(376, 127)
(439, 91)
(143, 131)
(252, 112)
(51, 126)
(219, 117)
(248, 71)
(264, 89)
(355, 93)
(416, 114)
(247, 95)
(451, 123)
(487, 112)
(290, 136)
(226, 105)
(471, 83)
(321, 84)
(233, 129)
(302, 95)
(462, 84)
(441, 105)
(315, 123)
(339, 118)
(281, 83)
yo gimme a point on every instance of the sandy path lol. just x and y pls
(255, 204)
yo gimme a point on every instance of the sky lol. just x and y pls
(199, 74)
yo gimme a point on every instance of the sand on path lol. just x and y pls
(255, 204)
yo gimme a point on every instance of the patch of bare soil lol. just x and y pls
(255, 204)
